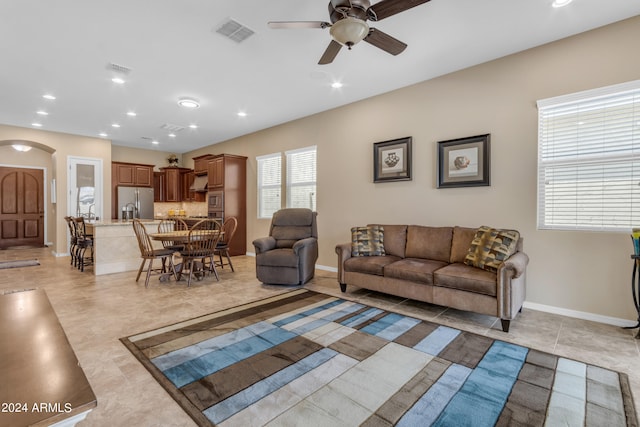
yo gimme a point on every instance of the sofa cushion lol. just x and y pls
(413, 269)
(490, 247)
(395, 239)
(367, 241)
(466, 278)
(369, 264)
(462, 238)
(429, 242)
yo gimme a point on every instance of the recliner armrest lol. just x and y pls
(264, 244)
(303, 243)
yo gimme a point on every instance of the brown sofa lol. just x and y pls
(427, 264)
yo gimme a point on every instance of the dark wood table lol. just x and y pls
(180, 236)
(41, 380)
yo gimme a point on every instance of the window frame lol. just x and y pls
(289, 185)
(260, 162)
(589, 148)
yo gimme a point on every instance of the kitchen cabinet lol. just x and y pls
(189, 195)
(132, 174)
(173, 183)
(158, 186)
(227, 184)
(128, 175)
(216, 171)
(200, 164)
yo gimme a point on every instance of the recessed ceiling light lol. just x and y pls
(193, 126)
(102, 134)
(22, 147)
(172, 135)
(42, 113)
(155, 142)
(336, 85)
(118, 80)
(36, 124)
(188, 103)
(115, 125)
(561, 3)
(242, 114)
(48, 96)
(131, 113)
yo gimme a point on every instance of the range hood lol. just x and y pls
(200, 183)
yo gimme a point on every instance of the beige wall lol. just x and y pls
(149, 157)
(51, 154)
(588, 272)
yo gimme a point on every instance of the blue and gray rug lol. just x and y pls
(305, 358)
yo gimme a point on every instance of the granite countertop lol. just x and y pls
(119, 222)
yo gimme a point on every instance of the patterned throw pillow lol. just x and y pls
(367, 241)
(490, 247)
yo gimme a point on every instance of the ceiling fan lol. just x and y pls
(348, 25)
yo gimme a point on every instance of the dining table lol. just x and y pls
(181, 236)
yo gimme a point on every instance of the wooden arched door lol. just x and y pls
(21, 207)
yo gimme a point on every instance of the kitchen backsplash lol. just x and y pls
(190, 208)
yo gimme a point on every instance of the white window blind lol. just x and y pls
(589, 160)
(301, 178)
(269, 184)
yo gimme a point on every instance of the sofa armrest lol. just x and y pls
(264, 244)
(344, 253)
(516, 264)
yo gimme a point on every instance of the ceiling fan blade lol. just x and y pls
(385, 42)
(387, 8)
(298, 24)
(330, 54)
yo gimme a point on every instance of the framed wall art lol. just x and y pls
(392, 160)
(464, 162)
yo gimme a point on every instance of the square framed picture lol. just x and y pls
(392, 160)
(464, 162)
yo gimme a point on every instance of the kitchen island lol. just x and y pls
(116, 246)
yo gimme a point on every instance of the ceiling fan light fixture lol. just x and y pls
(349, 31)
(561, 3)
(188, 103)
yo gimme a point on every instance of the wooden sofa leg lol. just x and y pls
(505, 324)
(343, 287)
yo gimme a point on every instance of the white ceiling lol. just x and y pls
(63, 47)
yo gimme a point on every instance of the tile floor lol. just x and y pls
(96, 311)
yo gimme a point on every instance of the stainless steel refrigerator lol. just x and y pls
(135, 202)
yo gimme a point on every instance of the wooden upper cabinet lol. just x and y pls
(173, 183)
(215, 172)
(158, 186)
(200, 164)
(132, 174)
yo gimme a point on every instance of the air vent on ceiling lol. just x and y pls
(172, 128)
(146, 138)
(118, 68)
(234, 30)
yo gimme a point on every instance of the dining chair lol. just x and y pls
(199, 248)
(73, 239)
(149, 253)
(84, 242)
(168, 225)
(229, 227)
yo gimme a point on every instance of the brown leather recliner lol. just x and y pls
(288, 256)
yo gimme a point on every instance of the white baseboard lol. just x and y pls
(579, 314)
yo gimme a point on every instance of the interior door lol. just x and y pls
(22, 207)
(85, 187)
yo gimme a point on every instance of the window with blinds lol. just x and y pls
(269, 184)
(301, 178)
(589, 160)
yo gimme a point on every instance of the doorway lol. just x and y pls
(21, 207)
(85, 187)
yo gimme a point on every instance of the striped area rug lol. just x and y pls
(305, 358)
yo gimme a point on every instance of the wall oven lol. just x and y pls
(216, 205)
